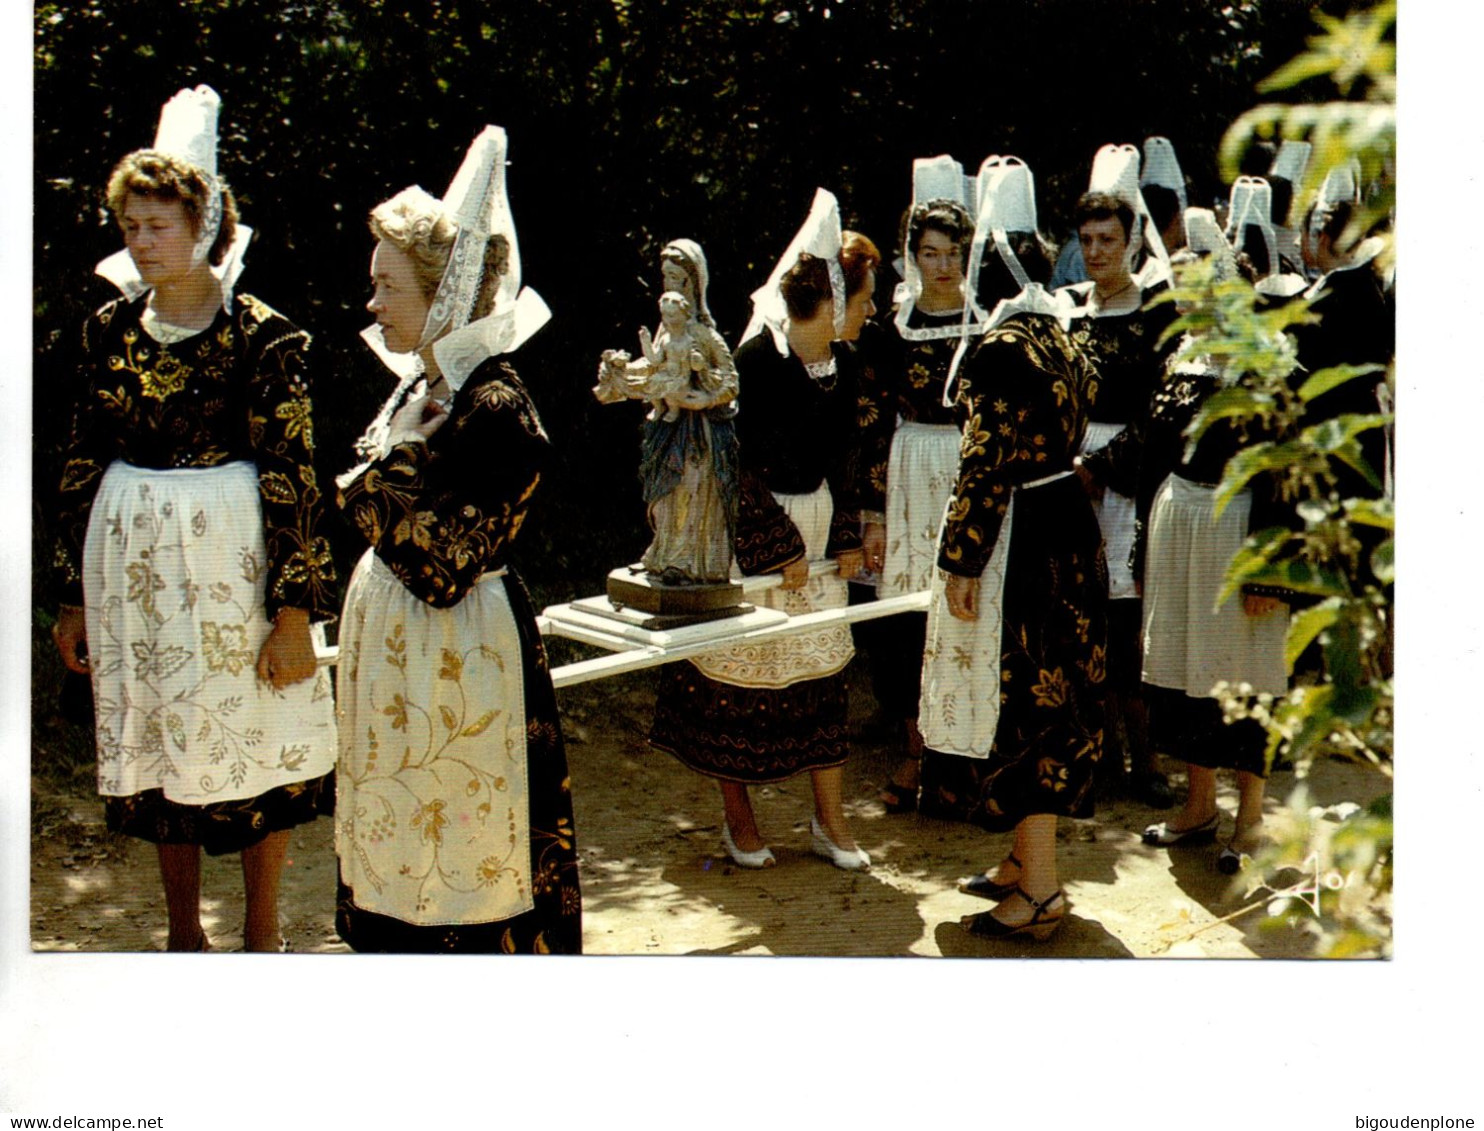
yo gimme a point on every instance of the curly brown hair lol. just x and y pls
(162, 176)
(946, 217)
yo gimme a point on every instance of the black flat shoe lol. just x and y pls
(1229, 863)
(1152, 789)
(986, 888)
(1162, 836)
(1039, 926)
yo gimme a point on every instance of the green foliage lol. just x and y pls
(1342, 702)
(1357, 57)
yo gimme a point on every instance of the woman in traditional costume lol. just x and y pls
(454, 812)
(756, 713)
(190, 559)
(1195, 640)
(1121, 338)
(911, 456)
(913, 436)
(1015, 661)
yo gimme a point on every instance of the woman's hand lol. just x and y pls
(796, 574)
(848, 563)
(1255, 605)
(71, 636)
(1090, 485)
(873, 546)
(963, 596)
(287, 655)
(416, 421)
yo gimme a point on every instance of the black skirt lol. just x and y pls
(1049, 739)
(750, 735)
(221, 826)
(1194, 730)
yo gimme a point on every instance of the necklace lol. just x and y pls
(1104, 300)
(823, 372)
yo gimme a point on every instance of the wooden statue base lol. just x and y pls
(654, 622)
(631, 589)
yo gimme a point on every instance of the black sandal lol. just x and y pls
(1039, 926)
(986, 888)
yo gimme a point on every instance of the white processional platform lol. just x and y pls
(594, 621)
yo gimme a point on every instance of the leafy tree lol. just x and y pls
(1341, 557)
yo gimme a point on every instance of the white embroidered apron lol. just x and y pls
(920, 478)
(959, 710)
(432, 813)
(173, 580)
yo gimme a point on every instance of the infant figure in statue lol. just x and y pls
(674, 363)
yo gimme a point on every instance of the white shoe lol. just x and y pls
(852, 860)
(762, 858)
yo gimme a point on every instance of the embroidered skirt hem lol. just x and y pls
(220, 826)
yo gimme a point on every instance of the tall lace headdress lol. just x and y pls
(1161, 167)
(1291, 161)
(477, 203)
(1115, 170)
(1251, 205)
(1204, 237)
(1342, 185)
(187, 132)
(1007, 203)
(933, 178)
(819, 236)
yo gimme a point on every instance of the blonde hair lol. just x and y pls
(416, 224)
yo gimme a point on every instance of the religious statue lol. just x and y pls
(689, 446)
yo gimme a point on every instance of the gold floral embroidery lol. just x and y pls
(416, 526)
(144, 583)
(225, 647)
(1052, 690)
(431, 820)
(79, 473)
(314, 563)
(167, 377)
(298, 422)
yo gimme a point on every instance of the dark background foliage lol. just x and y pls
(631, 122)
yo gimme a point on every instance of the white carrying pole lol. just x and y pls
(630, 655)
(652, 656)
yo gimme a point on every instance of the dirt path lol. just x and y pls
(656, 880)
